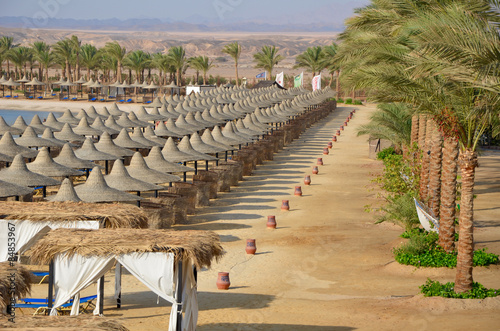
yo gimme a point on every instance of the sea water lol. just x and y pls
(10, 115)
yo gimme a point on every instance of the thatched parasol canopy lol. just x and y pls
(67, 134)
(53, 123)
(123, 140)
(186, 147)
(140, 170)
(113, 214)
(9, 147)
(4, 127)
(120, 179)
(90, 153)
(199, 246)
(83, 128)
(107, 145)
(45, 165)
(133, 118)
(19, 174)
(49, 135)
(162, 131)
(111, 123)
(156, 161)
(99, 125)
(139, 137)
(68, 117)
(31, 139)
(23, 280)
(68, 158)
(66, 192)
(11, 190)
(173, 154)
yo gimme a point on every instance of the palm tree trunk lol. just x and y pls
(337, 88)
(88, 73)
(424, 171)
(435, 167)
(414, 130)
(204, 78)
(119, 71)
(179, 77)
(236, 71)
(8, 69)
(463, 278)
(448, 195)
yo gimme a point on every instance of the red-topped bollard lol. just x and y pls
(341, 128)
(315, 170)
(298, 191)
(285, 205)
(307, 180)
(325, 151)
(223, 282)
(337, 133)
(271, 222)
(251, 248)
(330, 145)
(320, 161)
(348, 118)
(345, 123)
(334, 138)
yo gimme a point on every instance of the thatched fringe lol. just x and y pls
(114, 215)
(200, 246)
(22, 281)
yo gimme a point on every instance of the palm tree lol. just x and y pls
(201, 63)
(46, 59)
(177, 57)
(267, 58)
(234, 51)
(89, 57)
(76, 44)
(20, 56)
(418, 52)
(391, 121)
(136, 60)
(6, 43)
(331, 63)
(40, 49)
(117, 53)
(312, 59)
(63, 49)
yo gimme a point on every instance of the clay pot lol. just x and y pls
(325, 151)
(330, 145)
(347, 119)
(334, 138)
(345, 123)
(307, 180)
(337, 133)
(271, 220)
(315, 170)
(223, 282)
(320, 161)
(298, 191)
(285, 205)
(251, 248)
(341, 128)
(350, 116)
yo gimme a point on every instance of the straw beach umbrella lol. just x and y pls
(66, 192)
(95, 189)
(162, 131)
(156, 161)
(107, 145)
(99, 125)
(45, 165)
(37, 124)
(68, 117)
(125, 122)
(20, 123)
(10, 83)
(150, 134)
(12, 190)
(53, 123)
(19, 174)
(9, 147)
(67, 134)
(68, 158)
(90, 153)
(35, 82)
(139, 137)
(84, 129)
(4, 127)
(173, 154)
(140, 170)
(111, 123)
(31, 139)
(123, 140)
(133, 117)
(49, 135)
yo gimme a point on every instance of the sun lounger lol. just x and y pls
(129, 100)
(40, 97)
(41, 305)
(44, 275)
(428, 221)
(93, 99)
(16, 96)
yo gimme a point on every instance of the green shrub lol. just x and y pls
(358, 102)
(400, 210)
(385, 152)
(422, 250)
(348, 101)
(339, 100)
(398, 177)
(434, 289)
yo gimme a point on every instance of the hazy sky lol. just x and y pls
(193, 11)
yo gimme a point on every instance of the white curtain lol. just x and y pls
(189, 297)
(73, 274)
(28, 232)
(156, 271)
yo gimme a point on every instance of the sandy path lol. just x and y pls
(326, 266)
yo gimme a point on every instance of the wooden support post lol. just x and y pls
(178, 296)
(50, 296)
(195, 167)
(101, 296)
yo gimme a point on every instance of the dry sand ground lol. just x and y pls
(326, 266)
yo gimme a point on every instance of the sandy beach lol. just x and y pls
(327, 266)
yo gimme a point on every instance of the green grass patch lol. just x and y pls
(422, 250)
(436, 289)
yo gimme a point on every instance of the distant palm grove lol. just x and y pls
(113, 63)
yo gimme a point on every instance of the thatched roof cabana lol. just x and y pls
(113, 215)
(199, 246)
(22, 280)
